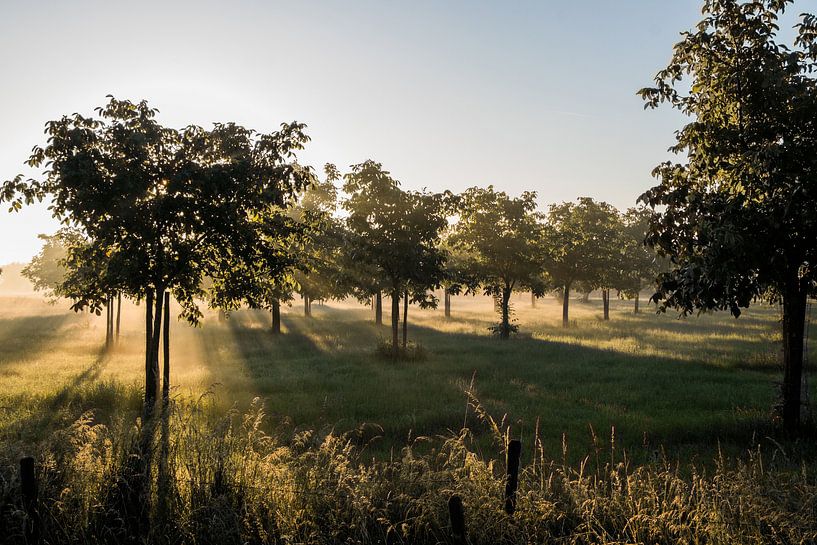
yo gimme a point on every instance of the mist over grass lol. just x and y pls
(681, 385)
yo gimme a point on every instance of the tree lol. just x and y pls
(318, 277)
(641, 265)
(396, 233)
(503, 237)
(580, 244)
(165, 208)
(605, 250)
(459, 277)
(51, 272)
(737, 217)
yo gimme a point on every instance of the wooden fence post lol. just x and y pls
(28, 489)
(457, 515)
(512, 462)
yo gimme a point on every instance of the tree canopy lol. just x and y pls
(502, 237)
(737, 215)
(162, 208)
(397, 232)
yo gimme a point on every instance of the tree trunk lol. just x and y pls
(378, 308)
(635, 305)
(118, 314)
(276, 317)
(505, 326)
(447, 302)
(166, 346)
(155, 342)
(108, 319)
(395, 322)
(794, 318)
(566, 306)
(405, 318)
(307, 306)
(605, 297)
(151, 378)
(532, 300)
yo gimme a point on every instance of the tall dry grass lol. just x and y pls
(224, 480)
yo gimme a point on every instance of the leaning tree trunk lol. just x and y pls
(447, 302)
(605, 297)
(276, 317)
(794, 318)
(395, 322)
(378, 308)
(566, 306)
(405, 318)
(166, 347)
(505, 326)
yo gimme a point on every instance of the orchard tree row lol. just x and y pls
(228, 217)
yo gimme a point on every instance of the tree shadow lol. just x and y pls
(323, 374)
(17, 339)
(40, 415)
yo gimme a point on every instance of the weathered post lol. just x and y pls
(28, 489)
(512, 462)
(457, 515)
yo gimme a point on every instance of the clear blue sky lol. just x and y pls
(523, 95)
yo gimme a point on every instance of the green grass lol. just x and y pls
(684, 385)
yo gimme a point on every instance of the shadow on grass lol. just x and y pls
(17, 340)
(42, 414)
(322, 373)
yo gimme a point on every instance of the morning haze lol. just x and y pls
(389, 273)
(537, 96)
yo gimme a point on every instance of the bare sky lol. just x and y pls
(523, 95)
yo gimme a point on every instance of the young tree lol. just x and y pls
(641, 265)
(606, 250)
(580, 243)
(737, 217)
(166, 208)
(503, 237)
(52, 272)
(318, 278)
(396, 232)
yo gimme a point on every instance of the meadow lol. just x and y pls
(649, 382)
(642, 429)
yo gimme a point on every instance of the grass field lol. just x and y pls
(685, 385)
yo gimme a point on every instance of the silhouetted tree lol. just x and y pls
(396, 232)
(166, 208)
(738, 216)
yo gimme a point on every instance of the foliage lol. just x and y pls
(582, 243)
(46, 271)
(396, 232)
(164, 209)
(641, 264)
(501, 237)
(738, 216)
